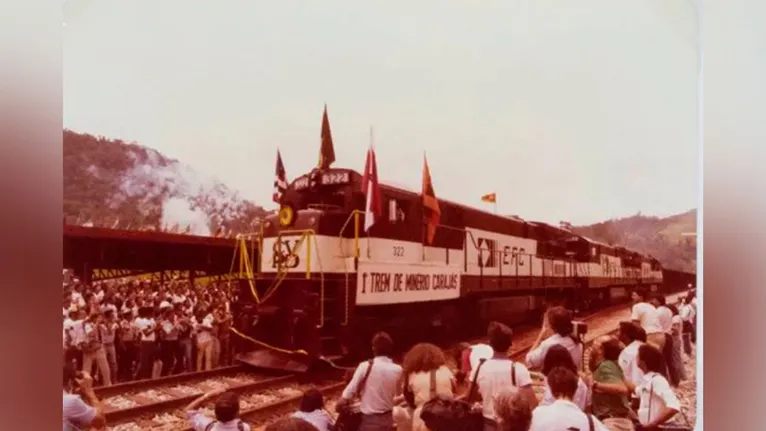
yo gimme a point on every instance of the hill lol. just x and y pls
(660, 237)
(111, 183)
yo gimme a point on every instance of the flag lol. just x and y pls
(280, 180)
(326, 150)
(373, 208)
(490, 198)
(431, 211)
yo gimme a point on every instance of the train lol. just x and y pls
(322, 286)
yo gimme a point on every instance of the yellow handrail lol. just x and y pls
(268, 346)
(306, 235)
(355, 216)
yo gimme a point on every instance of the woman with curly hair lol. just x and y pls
(425, 375)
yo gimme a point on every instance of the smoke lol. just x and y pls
(179, 211)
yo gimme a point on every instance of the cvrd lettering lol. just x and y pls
(283, 253)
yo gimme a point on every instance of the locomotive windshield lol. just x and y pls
(325, 190)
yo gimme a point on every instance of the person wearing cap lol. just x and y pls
(226, 413)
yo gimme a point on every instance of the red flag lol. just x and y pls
(280, 180)
(373, 208)
(326, 150)
(431, 211)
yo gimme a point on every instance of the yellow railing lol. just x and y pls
(305, 238)
(245, 267)
(347, 300)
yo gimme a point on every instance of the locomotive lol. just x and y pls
(321, 286)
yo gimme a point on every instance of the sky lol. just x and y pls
(569, 111)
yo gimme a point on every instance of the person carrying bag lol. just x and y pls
(349, 414)
(441, 414)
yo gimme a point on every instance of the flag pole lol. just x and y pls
(372, 145)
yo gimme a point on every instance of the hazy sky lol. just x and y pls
(577, 111)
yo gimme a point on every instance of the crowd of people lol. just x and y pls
(121, 330)
(629, 385)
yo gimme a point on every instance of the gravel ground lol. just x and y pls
(687, 390)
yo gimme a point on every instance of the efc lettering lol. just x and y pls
(382, 282)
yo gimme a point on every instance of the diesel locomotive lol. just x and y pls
(321, 285)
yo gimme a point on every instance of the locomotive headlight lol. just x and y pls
(312, 221)
(286, 216)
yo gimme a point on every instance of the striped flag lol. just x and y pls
(280, 180)
(373, 208)
(431, 211)
(326, 150)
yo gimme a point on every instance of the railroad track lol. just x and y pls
(157, 404)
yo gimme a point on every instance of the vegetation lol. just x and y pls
(666, 239)
(111, 183)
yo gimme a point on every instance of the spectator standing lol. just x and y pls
(687, 314)
(79, 414)
(559, 321)
(633, 337)
(128, 347)
(312, 410)
(610, 401)
(426, 375)
(185, 335)
(382, 384)
(645, 315)
(226, 413)
(93, 349)
(559, 356)
(110, 328)
(500, 372)
(169, 350)
(676, 364)
(563, 414)
(658, 403)
(204, 328)
(146, 327)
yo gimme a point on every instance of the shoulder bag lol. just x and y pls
(349, 414)
(441, 414)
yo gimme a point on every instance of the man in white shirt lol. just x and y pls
(559, 321)
(686, 312)
(645, 315)
(633, 337)
(204, 330)
(563, 414)
(146, 327)
(658, 404)
(498, 373)
(378, 390)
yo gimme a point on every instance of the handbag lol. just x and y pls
(440, 414)
(349, 414)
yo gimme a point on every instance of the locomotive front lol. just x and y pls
(297, 300)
